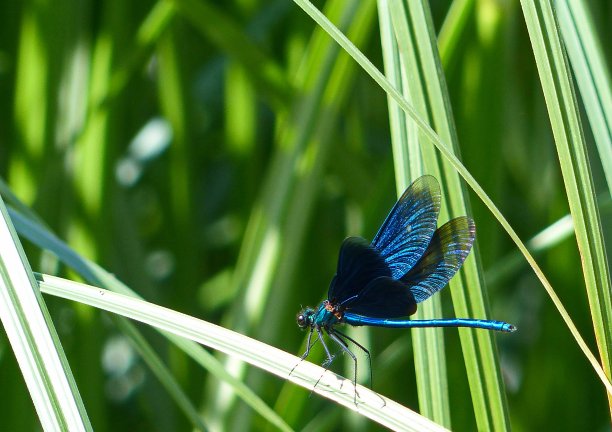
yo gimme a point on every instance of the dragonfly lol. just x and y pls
(381, 283)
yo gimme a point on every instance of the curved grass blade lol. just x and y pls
(90, 271)
(332, 386)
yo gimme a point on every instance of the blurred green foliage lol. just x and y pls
(213, 155)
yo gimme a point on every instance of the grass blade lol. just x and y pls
(592, 75)
(275, 361)
(427, 84)
(429, 352)
(571, 148)
(46, 240)
(33, 339)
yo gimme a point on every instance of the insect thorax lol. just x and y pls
(327, 315)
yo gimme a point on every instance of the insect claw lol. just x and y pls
(328, 362)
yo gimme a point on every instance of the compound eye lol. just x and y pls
(301, 321)
(303, 318)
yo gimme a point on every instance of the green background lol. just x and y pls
(272, 159)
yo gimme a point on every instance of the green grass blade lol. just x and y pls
(453, 27)
(152, 27)
(33, 339)
(468, 290)
(46, 240)
(402, 136)
(571, 148)
(266, 357)
(343, 41)
(30, 112)
(592, 75)
(425, 80)
(429, 353)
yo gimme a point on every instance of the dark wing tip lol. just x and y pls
(425, 183)
(448, 249)
(463, 224)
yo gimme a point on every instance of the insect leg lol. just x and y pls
(338, 339)
(330, 357)
(367, 353)
(308, 344)
(308, 347)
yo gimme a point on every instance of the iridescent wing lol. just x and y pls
(448, 249)
(404, 236)
(358, 265)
